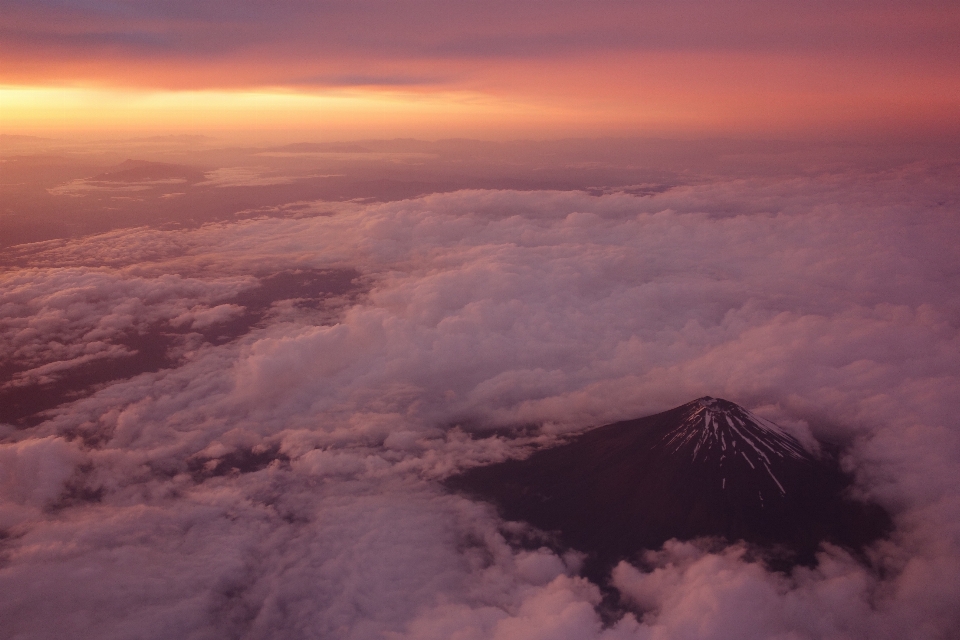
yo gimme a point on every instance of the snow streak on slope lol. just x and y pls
(722, 433)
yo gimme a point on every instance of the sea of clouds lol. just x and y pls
(285, 484)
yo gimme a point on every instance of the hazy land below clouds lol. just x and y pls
(234, 376)
(69, 187)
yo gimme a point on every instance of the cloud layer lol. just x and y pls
(283, 484)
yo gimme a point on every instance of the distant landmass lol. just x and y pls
(179, 138)
(323, 147)
(15, 138)
(142, 171)
(709, 468)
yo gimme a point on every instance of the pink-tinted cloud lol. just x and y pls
(283, 484)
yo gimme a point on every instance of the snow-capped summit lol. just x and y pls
(707, 468)
(722, 433)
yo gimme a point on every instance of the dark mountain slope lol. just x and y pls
(707, 468)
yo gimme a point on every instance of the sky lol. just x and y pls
(271, 272)
(494, 70)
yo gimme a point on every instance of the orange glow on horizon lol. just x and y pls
(492, 70)
(674, 94)
(45, 109)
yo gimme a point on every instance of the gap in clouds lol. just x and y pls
(50, 355)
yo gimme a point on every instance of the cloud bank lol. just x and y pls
(283, 484)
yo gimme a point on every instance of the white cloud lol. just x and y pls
(54, 320)
(828, 304)
(242, 177)
(84, 186)
(201, 317)
(34, 471)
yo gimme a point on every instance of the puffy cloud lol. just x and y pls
(690, 593)
(201, 317)
(60, 313)
(34, 471)
(283, 484)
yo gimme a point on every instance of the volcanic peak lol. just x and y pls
(706, 468)
(724, 434)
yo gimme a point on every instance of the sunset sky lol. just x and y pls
(272, 273)
(481, 69)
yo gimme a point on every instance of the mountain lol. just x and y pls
(706, 468)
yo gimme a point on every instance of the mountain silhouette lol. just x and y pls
(709, 468)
